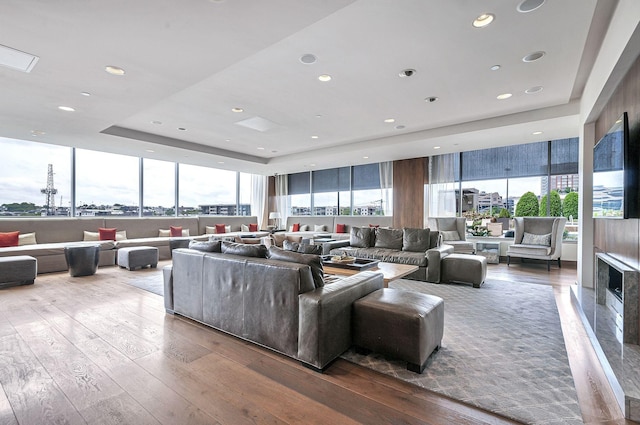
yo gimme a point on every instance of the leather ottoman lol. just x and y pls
(464, 268)
(402, 324)
(136, 257)
(82, 260)
(17, 270)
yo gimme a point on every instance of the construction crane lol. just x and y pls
(49, 192)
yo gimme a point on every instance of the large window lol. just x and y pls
(106, 184)
(24, 179)
(159, 187)
(206, 190)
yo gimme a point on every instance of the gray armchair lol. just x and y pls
(538, 238)
(453, 231)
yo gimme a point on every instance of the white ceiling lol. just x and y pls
(188, 63)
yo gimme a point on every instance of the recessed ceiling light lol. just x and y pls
(237, 110)
(182, 129)
(85, 93)
(532, 57)
(114, 70)
(260, 148)
(529, 5)
(308, 59)
(390, 120)
(365, 157)
(156, 122)
(312, 165)
(483, 20)
(38, 133)
(318, 116)
(533, 90)
(431, 99)
(274, 151)
(227, 140)
(66, 108)
(314, 137)
(504, 96)
(324, 78)
(535, 133)
(495, 67)
(150, 150)
(399, 127)
(220, 162)
(436, 147)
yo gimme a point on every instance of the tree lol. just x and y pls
(527, 205)
(570, 205)
(556, 205)
(504, 213)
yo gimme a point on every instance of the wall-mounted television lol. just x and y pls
(615, 174)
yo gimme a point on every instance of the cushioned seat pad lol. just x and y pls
(529, 250)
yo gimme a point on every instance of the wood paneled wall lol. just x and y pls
(621, 238)
(408, 192)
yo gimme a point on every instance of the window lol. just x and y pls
(106, 184)
(300, 193)
(24, 175)
(244, 198)
(207, 191)
(159, 187)
(331, 195)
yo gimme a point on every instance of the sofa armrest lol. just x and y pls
(328, 246)
(167, 274)
(325, 317)
(434, 256)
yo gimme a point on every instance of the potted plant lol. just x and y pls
(504, 217)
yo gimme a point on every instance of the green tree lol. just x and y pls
(504, 213)
(527, 205)
(556, 205)
(570, 205)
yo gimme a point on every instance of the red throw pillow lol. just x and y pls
(296, 227)
(9, 239)
(341, 228)
(253, 227)
(374, 225)
(220, 228)
(107, 234)
(176, 231)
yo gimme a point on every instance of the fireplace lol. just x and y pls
(617, 288)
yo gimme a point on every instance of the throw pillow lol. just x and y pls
(319, 228)
(360, 237)
(389, 238)
(164, 233)
(306, 248)
(206, 246)
(121, 235)
(533, 239)
(374, 225)
(295, 227)
(415, 240)
(247, 250)
(91, 236)
(107, 234)
(313, 261)
(434, 239)
(175, 231)
(253, 227)
(304, 227)
(341, 228)
(27, 239)
(9, 239)
(244, 228)
(450, 235)
(290, 246)
(221, 228)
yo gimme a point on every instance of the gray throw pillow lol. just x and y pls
(209, 246)
(389, 238)
(434, 239)
(361, 237)
(310, 249)
(247, 250)
(415, 240)
(290, 246)
(533, 239)
(450, 235)
(313, 261)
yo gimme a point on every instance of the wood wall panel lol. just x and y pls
(408, 193)
(621, 237)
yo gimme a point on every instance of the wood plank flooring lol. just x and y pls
(94, 350)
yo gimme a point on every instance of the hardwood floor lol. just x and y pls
(96, 350)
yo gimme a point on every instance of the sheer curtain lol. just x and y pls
(386, 184)
(259, 199)
(283, 204)
(442, 186)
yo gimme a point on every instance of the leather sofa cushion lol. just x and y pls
(384, 254)
(415, 240)
(389, 238)
(313, 261)
(247, 250)
(206, 246)
(303, 248)
(434, 239)
(361, 237)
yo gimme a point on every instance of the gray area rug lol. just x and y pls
(502, 351)
(153, 285)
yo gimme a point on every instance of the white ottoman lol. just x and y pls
(137, 257)
(17, 270)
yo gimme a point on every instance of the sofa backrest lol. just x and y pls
(148, 227)
(363, 221)
(54, 229)
(235, 222)
(311, 221)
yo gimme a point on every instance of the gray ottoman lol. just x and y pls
(402, 324)
(464, 268)
(136, 257)
(17, 270)
(82, 260)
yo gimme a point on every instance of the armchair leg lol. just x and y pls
(548, 265)
(559, 263)
(508, 260)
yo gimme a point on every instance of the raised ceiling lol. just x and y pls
(188, 64)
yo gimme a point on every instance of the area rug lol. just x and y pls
(502, 351)
(153, 284)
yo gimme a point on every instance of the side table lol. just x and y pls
(82, 260)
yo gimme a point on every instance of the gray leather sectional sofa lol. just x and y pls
(273, 303)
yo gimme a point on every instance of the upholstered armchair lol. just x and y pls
(453, 231)
(538, 238)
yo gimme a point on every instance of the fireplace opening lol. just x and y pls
(615, 282)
